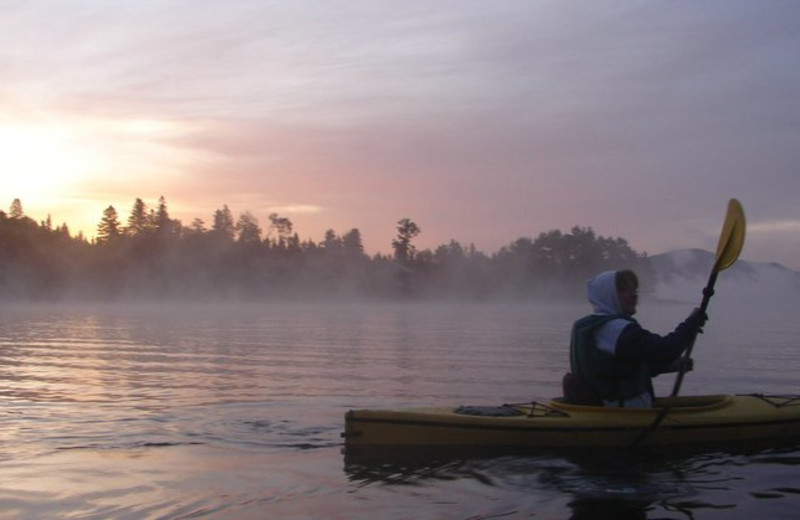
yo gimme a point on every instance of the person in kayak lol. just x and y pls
(612, 358)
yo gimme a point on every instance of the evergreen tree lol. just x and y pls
(162, 222)
(332, 243)
(353, 244)
(404, 250)
(109, 227)
(224, 226)
(138, 219)
(15, 211)
(37, 261)
(249, 232)
(198, 226)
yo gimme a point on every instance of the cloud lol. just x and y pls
(790, 226)
(299, 208)
(482, 121)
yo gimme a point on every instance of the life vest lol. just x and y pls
(605, 374)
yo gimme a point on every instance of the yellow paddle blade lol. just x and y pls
(731, 240)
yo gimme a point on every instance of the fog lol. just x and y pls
(746, 288)
(677, 278)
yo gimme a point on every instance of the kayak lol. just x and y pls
(556, 424)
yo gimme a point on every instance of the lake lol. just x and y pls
(234, 411)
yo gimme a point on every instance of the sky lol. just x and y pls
(483, 122)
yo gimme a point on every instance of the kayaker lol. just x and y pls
(612, 358)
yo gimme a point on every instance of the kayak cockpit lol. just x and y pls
(698, 403)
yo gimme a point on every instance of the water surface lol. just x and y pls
(205, 411)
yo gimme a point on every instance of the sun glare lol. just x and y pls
(72, 167)
(38, 161)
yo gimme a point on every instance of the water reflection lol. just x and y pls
(597, 484)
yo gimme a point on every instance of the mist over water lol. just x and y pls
(234, 411)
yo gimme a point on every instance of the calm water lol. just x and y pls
(235, 412)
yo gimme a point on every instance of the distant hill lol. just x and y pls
(681, 275)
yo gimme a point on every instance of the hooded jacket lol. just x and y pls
(614, 355)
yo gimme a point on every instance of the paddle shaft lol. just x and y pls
(707, 293)
(730, 245)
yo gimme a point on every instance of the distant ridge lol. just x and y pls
(680, 276)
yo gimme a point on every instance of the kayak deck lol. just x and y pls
(686, 420)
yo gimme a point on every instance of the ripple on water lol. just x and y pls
(154, 413)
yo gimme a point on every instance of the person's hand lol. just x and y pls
(697, 319)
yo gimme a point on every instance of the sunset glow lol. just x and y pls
(41, 160)
(483, 125)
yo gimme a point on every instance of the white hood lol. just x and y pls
(602, 293)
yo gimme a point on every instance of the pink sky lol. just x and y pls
(481, 121)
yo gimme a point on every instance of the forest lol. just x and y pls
(150, 256)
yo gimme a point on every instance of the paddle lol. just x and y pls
(730, 245)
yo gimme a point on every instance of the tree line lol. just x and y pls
(150, 255)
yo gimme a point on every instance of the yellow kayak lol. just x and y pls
(554, 424)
